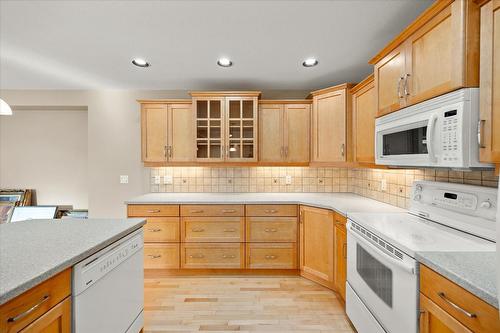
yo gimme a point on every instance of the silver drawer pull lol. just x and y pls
(270, 230)
(154, 211)
(230, 256)
(227, 211)
(196, 256)
(154, 230)
(154, 256)
(230, 230)
(444, 298)
(270, 211)
(198, 211)
(197, 230)
(270, 257)
(30, 310)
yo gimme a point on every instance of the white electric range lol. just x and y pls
(382, 273)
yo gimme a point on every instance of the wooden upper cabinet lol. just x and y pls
(226, 126)
(284, 128)
(364, 111)
(331, 122)
(490, 83)
(436, 54)
(167, 131)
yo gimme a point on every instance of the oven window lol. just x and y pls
(409, 142)
(377, 276)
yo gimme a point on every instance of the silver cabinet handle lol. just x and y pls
(286, 151)
(270, 257)
(230, 230)
(165, 151)
(44, 299)
(228, 256)
(455, 306)
(169, 151)
(270, 230)
(270, 211)
(342, 149)
(480, 130)
(199, 211)
(197, 256)
(282, 151)
(153, 211)
(344, 250)
(405, 85)
(197, 230)
(227, 211)
(154, 230)
(154, 256)
(398, 88)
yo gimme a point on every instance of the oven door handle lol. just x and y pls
(430, 137)
(382, 255)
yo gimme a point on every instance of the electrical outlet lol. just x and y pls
(288, 180)
(168, 179)
(157, 179)
(383, 185)
(123, 179)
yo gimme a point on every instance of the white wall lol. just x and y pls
(46, 150)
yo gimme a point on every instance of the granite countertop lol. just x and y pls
(473, 271)
(33, 251)
(343, 203)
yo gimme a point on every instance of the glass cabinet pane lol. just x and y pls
(248, 129)
(247, 151)
(215, 129)
(234, 149)
(201, 109)
(202, 149)
(215, 111)
(234, 109)
(215, 149)
(247, 109)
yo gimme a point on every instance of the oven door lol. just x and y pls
(385, 283)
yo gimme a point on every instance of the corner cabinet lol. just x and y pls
(436, 54)
(489, 124)
(284, 131)
(166, 130)
(226, 126)
(331, 124)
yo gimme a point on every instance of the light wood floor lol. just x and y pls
(242, 304)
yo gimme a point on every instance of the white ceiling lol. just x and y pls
(89, 44)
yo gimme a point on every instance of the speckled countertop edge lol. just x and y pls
(481, 285)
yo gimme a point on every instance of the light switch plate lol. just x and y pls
(288, 180)
(123, 179)
(383, 185)
(157, 179)
(168, 179)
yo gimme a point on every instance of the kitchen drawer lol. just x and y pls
(161, 256)
(162, 230)
(56, 320)
(213, 229)
(271, 229)
(272, 255)
(152, 210)
(271, 210)
(24, 309)
(457, 301)
(212, 255)
(212, 210)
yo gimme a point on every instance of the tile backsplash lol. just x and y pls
(386, 185)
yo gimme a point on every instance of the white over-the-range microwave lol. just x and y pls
(441, 132)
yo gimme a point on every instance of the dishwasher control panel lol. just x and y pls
(90, 270)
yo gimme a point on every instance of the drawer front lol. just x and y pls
(212, 210)
(24, 309)
(162, 229)
(152, 210)
(457, 301)
(271, 229)
(272, 256)
(215, 255)
(271, 210)
(213, 229)
(56, 320)
(161, 256)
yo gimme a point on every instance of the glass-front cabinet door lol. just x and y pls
(241, 129)
(209, 129)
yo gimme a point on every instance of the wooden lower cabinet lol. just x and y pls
(161, 256)
(213, 255)
(56, 320)
(317, 255)
(433, 319)
(271, 255)
(340, 256)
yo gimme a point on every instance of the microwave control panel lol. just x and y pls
(450, 129)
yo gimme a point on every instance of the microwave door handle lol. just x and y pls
(430, 137)
(384, 256)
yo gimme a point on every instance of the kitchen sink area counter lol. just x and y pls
(36, 250)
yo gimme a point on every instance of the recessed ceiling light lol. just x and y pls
(310, 62)
(224, 62)
(139, 62)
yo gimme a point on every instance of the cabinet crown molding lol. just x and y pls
(165, 101)
(285, 101)
(366, 81)
(225, 93)
(330, 89)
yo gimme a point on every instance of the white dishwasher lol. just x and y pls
(108, 288)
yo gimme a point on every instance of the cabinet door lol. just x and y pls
(434, 58)
(297, 127)
(209, 113)
(271, 133)
(364, 109)
(329, 127)
(56, 320)
(433, 319)
(389, 74)
(241, 129)
(317, 245)
(341, 259)
(490, 83)
(154, 132)
(180, 133)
